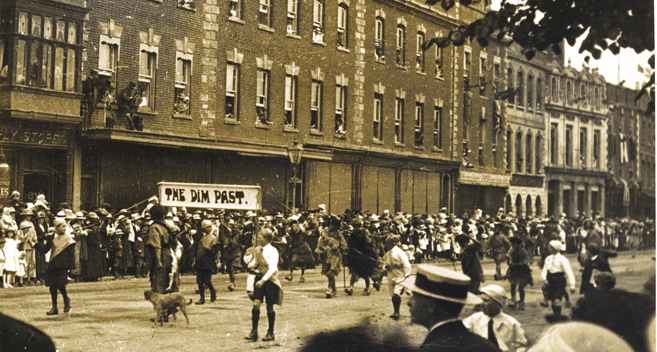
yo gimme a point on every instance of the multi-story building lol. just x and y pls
(630, 155)
(226, 88)
(576, 167)
(525, 117)
(41, 54)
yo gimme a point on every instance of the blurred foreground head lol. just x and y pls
(580, 337)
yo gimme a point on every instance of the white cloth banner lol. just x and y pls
(199, 195)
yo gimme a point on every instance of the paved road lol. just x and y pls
(113, 316)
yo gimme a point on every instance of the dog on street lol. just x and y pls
(166, 305)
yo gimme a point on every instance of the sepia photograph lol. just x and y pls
(327, 175)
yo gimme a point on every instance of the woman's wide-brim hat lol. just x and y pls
(26, 212)
(440, 283)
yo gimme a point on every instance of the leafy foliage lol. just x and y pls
(542, 24)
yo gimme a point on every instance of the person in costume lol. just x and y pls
(62, 259)
(330, 247)
(361, 257)
(519, 273)
(263, 260)
(397, 268)
(555, 271)
(301, 255)
(206, 261)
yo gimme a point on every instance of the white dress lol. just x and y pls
(11, 255)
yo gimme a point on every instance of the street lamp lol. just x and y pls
(295, 154)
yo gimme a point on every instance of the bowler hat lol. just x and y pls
(440, 283)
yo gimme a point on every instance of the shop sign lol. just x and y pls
(35, 137)
(478, 178)
(199, 195)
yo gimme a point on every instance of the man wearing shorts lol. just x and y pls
(267, 286)
(397, 268)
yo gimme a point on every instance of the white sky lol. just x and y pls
(612, 67)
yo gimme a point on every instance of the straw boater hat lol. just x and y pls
(441, 283)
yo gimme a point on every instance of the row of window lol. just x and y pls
(581, 97)
(584, 144)
(45, 51)
(528, 153)
(529, 92)
(419, 112)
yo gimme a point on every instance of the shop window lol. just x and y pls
(232, 91)
(318, 21)
(292, 14)
(182, 86)
(342, 26)
(399, 120)
(264, 13)
(290, 101)
(262, 95)
(340, 110)
(147, 64)
(235, 9)
(419, 124)
(419, 53)
(439, 63)
(316, 106)
(379, 37)
(401, 34)
(438, 127)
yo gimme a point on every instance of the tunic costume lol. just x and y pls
(159, 237)
(398, 268)
(300, 252)
(62, 258)
(362, 254)
(471, 265)
(206, 261)
(519, 271)
(330, 246)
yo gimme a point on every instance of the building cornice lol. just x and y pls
(423, 13)
(575, 172)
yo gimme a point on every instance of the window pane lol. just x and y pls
(45, 66)
(61, 26)
(35, 65)
(70, 71)
(22, 23)
(59, 69)
(36, 26)
(180, 77)
(317, 12)
(21, 57)
(143, 64)
(47, 28)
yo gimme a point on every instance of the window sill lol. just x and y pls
(402, 67)
(440, 78)
(436, 149)
(293, 36)
(319, 43)
(377, 141)
(401, 145)
(381, 60)
(182, 116)
(338, 135)
(260, 125)
(236, 19)
(146, 111)
(265, 28)
(290, 129)
(342, 48)
(159, 1)
(419, 147)
(187, 7)
(232, 121)
(421, 73)
(316, 132)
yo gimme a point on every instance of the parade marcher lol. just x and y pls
(62, 246)
(229, 238)
(301, 255)
(361, 257)
(555, 271)
(492, 323)
(519, 273)
(499, 246)
(438, 297)
(470, 262)
(206, 261)
(159, 252)
(266, 286)
(597, 262)
(330, 247)
(41, 229)
(397, 268)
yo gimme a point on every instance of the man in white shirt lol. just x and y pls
(555, 271)
(398, 268)
(267, 286)
(501, 329)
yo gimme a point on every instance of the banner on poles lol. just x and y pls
(200, 195)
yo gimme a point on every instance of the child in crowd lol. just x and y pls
(519, 273)
(555, 271)
(11, 258)
(2, 257)
(21, 269)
